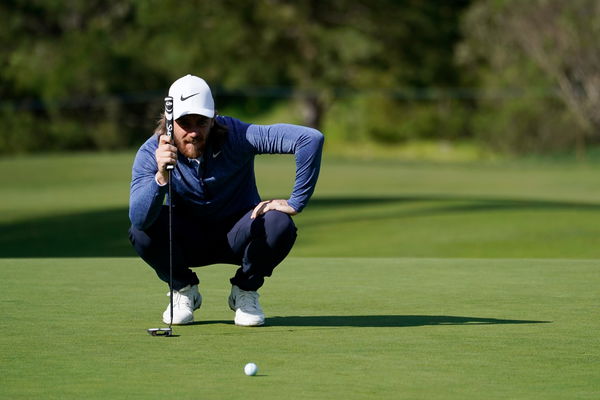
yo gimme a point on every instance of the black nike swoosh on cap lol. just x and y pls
(191, 95)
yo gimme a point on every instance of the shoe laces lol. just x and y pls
(248, 301)
(182, 298)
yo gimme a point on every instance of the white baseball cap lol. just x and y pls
(191, 95)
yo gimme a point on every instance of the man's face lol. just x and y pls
(190, 133)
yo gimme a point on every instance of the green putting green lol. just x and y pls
(349, 328)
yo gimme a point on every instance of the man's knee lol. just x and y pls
(149, 241)
(140, 240)
(280, 229)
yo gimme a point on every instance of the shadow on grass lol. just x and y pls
(90, 234)
(440, 205)
(470, 203)
(389, 321)
(104, 233)
(377, 321)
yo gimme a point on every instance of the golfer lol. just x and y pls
(218, 215)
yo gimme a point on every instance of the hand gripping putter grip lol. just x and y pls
(169, 120)
(169, 129)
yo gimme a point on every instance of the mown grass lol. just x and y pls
(355, 328)
(408, 280)
(69, 206)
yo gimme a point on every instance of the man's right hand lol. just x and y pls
(166, 154)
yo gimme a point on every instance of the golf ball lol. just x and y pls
(250, 369)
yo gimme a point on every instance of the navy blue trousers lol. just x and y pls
(257, 246)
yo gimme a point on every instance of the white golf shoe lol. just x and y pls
(246, 306)
(185, 301)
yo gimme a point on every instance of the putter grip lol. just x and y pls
(169, 120)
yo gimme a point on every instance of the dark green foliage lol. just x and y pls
(541, 57)
(519, 76)
(91, 75)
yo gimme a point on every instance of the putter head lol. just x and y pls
(160, 331)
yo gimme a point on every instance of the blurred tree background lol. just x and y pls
(517, 77)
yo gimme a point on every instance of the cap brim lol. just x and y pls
(201, 111)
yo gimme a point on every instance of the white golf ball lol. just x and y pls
(250, 369)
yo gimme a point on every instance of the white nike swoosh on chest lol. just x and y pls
(215, 155)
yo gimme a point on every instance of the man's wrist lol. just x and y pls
(160, 179)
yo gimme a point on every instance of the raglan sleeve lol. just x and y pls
(146, 195)
(307, 146)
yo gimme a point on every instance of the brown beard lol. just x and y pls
(191, 149)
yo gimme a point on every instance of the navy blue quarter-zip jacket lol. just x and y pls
(223, 184)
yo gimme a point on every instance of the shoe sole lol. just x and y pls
(249, 326)
(179, 323)
(186, 322)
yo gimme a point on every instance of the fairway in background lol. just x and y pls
(78, 207)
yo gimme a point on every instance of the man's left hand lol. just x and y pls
(268, 205)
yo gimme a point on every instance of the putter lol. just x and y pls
(169, 128)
